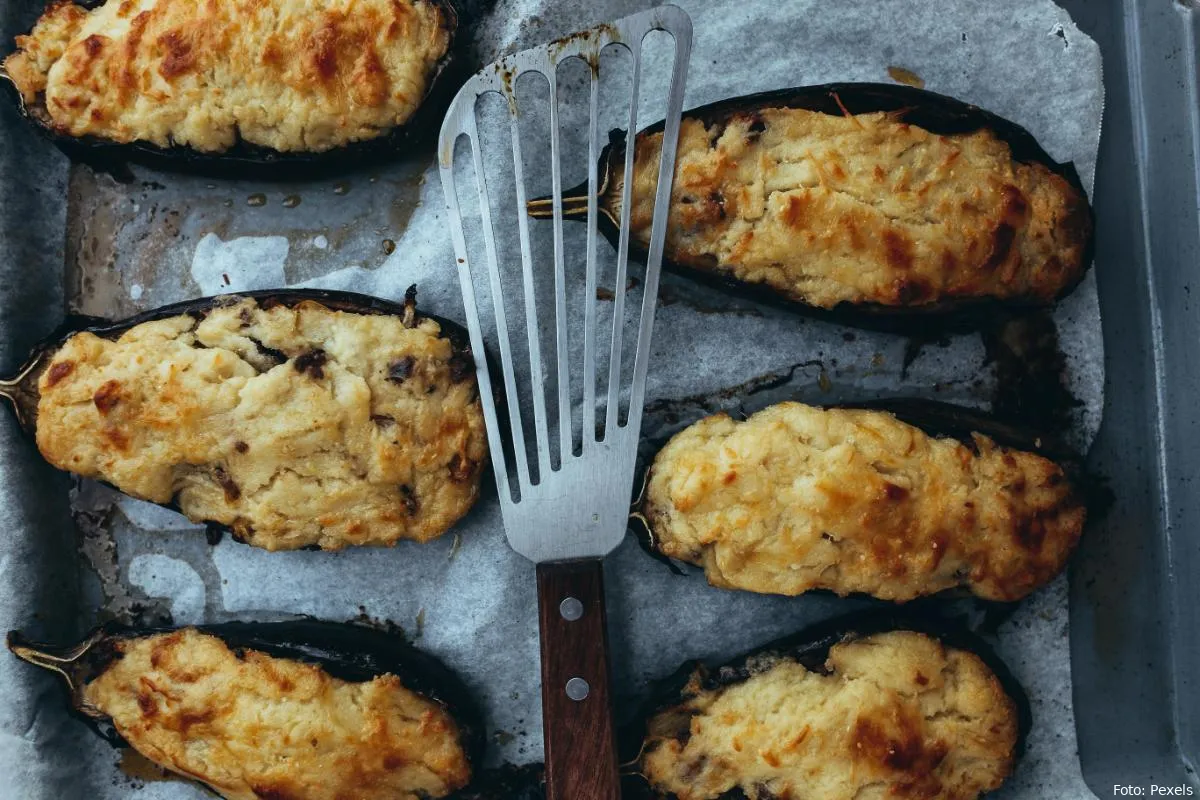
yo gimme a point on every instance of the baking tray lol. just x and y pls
(1134, 588)
(1131, 649)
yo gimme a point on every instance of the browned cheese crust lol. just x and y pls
(289, 75)
(896, 715)
(252, 726)
(829, 209)
(797, 498)
(292, 426)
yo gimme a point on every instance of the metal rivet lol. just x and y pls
(571, 609)
(577, 689)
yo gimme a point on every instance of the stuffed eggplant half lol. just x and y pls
(837, 714)
(181, 81)
(293, 419)
(871, 203)
(855, 500)
(304, 709)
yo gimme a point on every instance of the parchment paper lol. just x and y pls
(466, 597)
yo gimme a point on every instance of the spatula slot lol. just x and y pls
(568, 317)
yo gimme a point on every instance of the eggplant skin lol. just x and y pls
(284, 417)
(242, 77)
(826, 717)
(263, 711)
(863, 201)
(799, 498)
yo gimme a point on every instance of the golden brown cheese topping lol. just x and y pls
(896, 715)
(826, 209)
(799, 498)
(292, 426)
(252, 726)
(290, 75)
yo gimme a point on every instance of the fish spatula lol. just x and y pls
(564, 506)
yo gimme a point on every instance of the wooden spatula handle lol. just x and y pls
(577, 718)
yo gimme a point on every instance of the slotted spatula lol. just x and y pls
(567, 517)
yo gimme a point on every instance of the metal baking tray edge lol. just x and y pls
(1135, 585)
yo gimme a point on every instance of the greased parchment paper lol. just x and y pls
(158, 238)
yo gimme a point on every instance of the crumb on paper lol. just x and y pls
(906, 76)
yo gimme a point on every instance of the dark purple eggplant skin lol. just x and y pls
(810, 647)
(934, 112)
(350, 652)
(935, 418)
(20, 389)
(249, 161)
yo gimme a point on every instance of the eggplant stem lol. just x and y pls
(641, 495)
(43, 656)
(575, 205)
(640, 517)
(635, 512)
(9, 388)
(13, 389)
(630, 768)
(6, 78)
